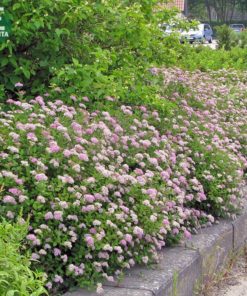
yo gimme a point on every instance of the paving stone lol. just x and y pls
(111, 291)
(177, 272)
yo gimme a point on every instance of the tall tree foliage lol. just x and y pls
(224, 8)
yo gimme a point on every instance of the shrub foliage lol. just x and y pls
(106, 187)
(16, 277)
(96, 47)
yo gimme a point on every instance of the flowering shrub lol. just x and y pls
(105, 188)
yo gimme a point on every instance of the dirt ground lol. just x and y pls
(232, 281)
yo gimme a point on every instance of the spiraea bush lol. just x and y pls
(108, 185)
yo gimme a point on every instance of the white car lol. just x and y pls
(203, 32)
(238, 28)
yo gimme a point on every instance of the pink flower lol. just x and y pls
(201, 196)
(145, 259)
(31, 237)
(10, 215)
(83, 156)
(64, 258)
(56, 252)
(153, 161)
(91, 180)
(63, 204)
(89, 198)
(138, 232)
(123, 242)
(67, 153)
(39, 100)
(89, 241)
(18, 84)
(41, 177)
(41, 199)
(32, 137)
(19, 181)
(152, 192)
(187, 234)
(9, 199)
(128, 238)
(15, 191)
(58, 279)
(73, 98)
(94, 140)
(76, 127)
(22, 198)
(49, 285)
(85, 99)
(35, 256)
(54, 147)
(146, 143)
(48, 216)
(58, 215)
(15, 136)
(189, 197)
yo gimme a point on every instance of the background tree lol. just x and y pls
(224, 9)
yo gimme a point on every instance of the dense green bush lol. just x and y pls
(224, 37)
(228, 39)
(40, 40)
(125, 45)
(92, 47)
(205, 58)
(240, 40)
(16, 278)
(96, 49)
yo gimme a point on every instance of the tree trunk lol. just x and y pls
(207, 3)
(233, 9)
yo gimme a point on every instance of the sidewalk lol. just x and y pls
(235, 283)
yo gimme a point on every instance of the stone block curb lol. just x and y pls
(109, 291)
(182, 269)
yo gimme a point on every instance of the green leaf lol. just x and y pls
(26, 73)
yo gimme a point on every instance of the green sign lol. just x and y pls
(5, 25)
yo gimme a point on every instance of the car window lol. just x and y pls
(237, 26)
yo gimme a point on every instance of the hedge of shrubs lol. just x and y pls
(107, 185)
(207, 59)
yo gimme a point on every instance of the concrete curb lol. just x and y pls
(182, 269)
